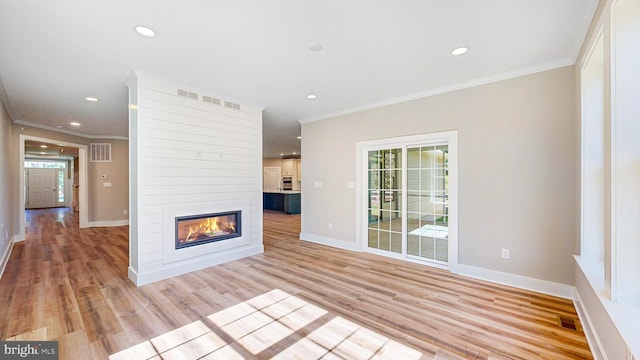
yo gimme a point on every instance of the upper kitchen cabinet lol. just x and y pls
(288, 167)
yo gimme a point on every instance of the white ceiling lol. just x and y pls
(55, 53)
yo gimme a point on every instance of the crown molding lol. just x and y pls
(68, 132)
(585, 26)
(465, 85)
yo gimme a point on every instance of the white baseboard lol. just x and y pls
(169, 271)
(587, 326)
(133, 275)
(522, 282)
(340, 244)
(108, 223)
(5, 256)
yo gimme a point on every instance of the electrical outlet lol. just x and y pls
(124, 212)
(505, 254)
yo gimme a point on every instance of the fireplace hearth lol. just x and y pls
(207, 228)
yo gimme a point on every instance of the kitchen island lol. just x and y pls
(285, 200)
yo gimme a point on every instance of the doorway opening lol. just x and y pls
(79, 188)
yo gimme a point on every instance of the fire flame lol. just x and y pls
(210, 227)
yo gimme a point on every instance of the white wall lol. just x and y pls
(517, 171)
(187, 152)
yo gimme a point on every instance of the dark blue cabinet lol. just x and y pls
(288, 203)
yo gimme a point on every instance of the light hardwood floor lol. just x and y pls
(297, 300)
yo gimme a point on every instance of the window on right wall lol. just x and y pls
(610, 155)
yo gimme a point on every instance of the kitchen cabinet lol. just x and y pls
(287, 167)
(287, 202)
(292, 203)
(298, 170)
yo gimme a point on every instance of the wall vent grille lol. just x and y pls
(100, 152)
(211, 100)
(188, 94)
(232, 105)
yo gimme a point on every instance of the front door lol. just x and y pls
(41, 188)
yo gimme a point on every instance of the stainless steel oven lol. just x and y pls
(287, 183)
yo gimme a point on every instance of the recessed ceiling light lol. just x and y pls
(91, 98)
(74, 123)
(299, 137)
(459, 51)
(312, 96)
(315, 46)
(145, 31)
(43, 146)
(294, 153)
(281, 154)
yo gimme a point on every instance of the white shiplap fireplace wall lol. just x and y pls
(189, 154)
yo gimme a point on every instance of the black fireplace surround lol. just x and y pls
(201, 229)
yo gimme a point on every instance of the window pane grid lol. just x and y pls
(425, 226)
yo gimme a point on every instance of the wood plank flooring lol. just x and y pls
(298, 300)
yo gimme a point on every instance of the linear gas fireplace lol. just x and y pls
(207, 228)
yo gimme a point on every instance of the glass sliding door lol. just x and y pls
(427, 203)
(384, 212)
(408, 209)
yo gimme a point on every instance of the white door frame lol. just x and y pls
(451, 138)
(82, 164)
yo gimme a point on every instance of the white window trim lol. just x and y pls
(449, 137)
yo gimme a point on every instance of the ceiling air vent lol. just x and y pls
(211, 100)
(232, 105)
(100, 152)
(188, 94)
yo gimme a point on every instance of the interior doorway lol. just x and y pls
(82, 194)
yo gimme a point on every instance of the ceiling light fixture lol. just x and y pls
(91, 98)
(312, 96)
(145, 31)
(73, 123)
(281, 154)
(459, 51)
(299, 137)
(315, 47)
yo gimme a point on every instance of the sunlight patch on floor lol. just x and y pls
(262, 322)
